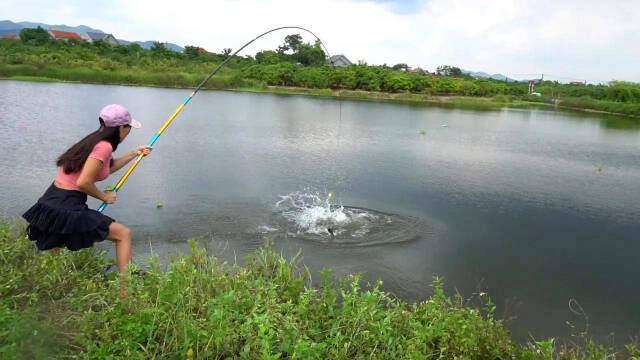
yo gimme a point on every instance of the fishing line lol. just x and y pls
(193, 93)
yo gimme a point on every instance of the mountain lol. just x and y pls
(147, 44)
(10, 27)
(76, 29)
(481, 74)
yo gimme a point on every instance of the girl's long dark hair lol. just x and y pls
(73, 159)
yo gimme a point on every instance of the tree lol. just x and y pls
(101, 45)
(267, 57)
(192, 51)
(159, 49)
(226, 52)
(468, 88)
(37, 36)
(401, 66)
(294, 41)
(74, 42)
(308, 54)
(291, 42)
(134, 48)
(448, 70)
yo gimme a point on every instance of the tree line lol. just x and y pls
(293, 63)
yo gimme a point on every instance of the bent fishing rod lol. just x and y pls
(188, 98)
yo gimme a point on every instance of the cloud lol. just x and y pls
(402, 6)
(590, 40)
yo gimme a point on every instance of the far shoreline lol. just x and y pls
(454, 101)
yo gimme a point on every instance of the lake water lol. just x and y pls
(533, 207)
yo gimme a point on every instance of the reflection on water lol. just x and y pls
(537, 206)
(612, 122)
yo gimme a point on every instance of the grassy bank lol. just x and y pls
(234, 80)
(611, 107)
(302, 72)
(63, 306)
(484, 103)
(133, 77)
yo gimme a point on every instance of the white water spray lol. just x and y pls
(314, 214)
(316, 219)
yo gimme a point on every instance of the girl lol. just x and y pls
(61, 217)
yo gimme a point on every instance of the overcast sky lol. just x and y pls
(572, 40)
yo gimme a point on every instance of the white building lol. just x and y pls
(108, 38)
(339, 60)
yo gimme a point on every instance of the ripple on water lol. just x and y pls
(315, 219)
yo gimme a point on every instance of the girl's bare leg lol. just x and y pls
(121, 236)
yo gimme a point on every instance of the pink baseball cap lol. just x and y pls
(115, 115)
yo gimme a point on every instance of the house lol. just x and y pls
(418, 71)
(203, 51)
(65, 35)
(10, 36)
(339, 60)
(92, 36)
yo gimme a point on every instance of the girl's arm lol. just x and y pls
(121, 161)
(85, 182)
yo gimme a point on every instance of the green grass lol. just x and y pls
(234, 80)
(33, 78)
(629, 109)
(63, 306)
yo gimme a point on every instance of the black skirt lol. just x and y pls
(61, 218)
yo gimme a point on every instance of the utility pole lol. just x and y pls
(542, 78)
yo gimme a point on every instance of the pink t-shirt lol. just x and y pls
(101, 151)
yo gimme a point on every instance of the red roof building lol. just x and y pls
(10, 36)
(59, 34)
(418, 70)
(203, 51)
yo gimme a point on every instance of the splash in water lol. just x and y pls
(315, 218)
(312, 214)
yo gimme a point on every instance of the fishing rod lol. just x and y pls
(188, 98)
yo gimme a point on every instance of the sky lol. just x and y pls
(567, 40)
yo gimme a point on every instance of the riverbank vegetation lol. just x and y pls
(296, 66)
(64, 306)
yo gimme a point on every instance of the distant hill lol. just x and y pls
(77, 29)
(10, 27)
(147, 44)
(480, 74)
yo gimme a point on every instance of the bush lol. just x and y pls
(217, 310)
(37, 36)
(533, 98)
(62, 305)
